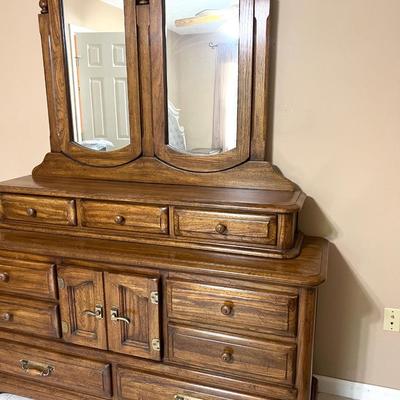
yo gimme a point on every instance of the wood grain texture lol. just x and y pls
(44, 210)
(130, 295)
(257, 229)
(78, 374)
(27, 278)
(133, 217)
(30, 317)
(80, 292)
(245, 309)
(232, 354)
(133, 385)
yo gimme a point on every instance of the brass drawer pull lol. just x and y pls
(119, 220)
(98, 313)
(183, 397)
(35, 369)
(221, 229)
(6, 317)
(227, 356)
(31, 212)
(116, 317)
(227, 309)
(4, 277)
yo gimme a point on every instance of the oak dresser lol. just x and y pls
(155, 253)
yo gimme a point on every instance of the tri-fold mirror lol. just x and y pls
(200, 64)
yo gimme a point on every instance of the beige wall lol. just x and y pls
(336, 132)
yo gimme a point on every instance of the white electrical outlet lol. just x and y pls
(392, 320)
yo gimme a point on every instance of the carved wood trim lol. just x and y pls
(44, 6)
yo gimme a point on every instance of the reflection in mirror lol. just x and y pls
(95, 42)
(202, 38)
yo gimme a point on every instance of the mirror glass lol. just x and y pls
(202, 40)
(97, 68)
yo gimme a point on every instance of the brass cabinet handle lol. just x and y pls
(116, 317)
(98, 313)
(6, 317)
(31, 212)
(227, 356)
(221, 229)
(4, 277)
(36, 369)
(227, 309)
(183, 397)
(119, 220)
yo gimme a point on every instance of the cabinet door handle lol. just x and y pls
(4, 277)
(119, 220)
(31, 212)
(97, 313)
(227, 356)
(221, 229)
(116, 317)
(6, 317)
(36, 369)
(184, 397)
(227, 309)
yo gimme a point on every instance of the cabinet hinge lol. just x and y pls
(61, 283)
(156, 345)
(154, 297)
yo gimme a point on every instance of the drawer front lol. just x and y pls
(76, 374)
(28, 278)
(254, 310)
(248, 228)
(46, 210)
(231, 354)
(29, 317)
(125, 217)
(134, 385)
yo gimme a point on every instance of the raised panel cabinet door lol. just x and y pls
(133, 315)
(82, 307)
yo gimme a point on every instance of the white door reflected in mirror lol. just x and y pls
(97, 68)
(202, 40)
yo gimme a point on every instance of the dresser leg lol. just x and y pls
(314, 389)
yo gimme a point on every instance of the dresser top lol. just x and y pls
(252, 199)
(308, 269)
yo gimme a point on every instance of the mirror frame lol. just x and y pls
(201, 163)
(60, 101)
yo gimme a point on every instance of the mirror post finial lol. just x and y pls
(44, 6)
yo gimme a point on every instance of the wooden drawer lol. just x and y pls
(28, 278)
(248, 228)
(255, 310)
(29, 317)
(46, 210)
(231, 354)
(124, 216)
(134, 385)
(53, 369)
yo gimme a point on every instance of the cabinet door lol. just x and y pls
(82, 307)
(133, 315)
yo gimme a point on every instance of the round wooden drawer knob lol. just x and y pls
(119, 220)
(227, 356)
(31, 212)
(221, 229)
(227, 309)
(6, 317)
(4, 277)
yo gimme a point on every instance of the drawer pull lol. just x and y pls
(227, 356)
(119, 220)
(4, 277)
(97, 313)
(31, 212)
(227, 309)
(221, 229)
(183, 397)
(35, 369)
(6, 317)
(115, 317)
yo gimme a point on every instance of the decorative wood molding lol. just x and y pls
(44, 6)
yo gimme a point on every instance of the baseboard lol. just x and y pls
(354, 390)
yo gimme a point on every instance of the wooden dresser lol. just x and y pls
(153, 271)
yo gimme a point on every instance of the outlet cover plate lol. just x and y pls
(392, 320)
